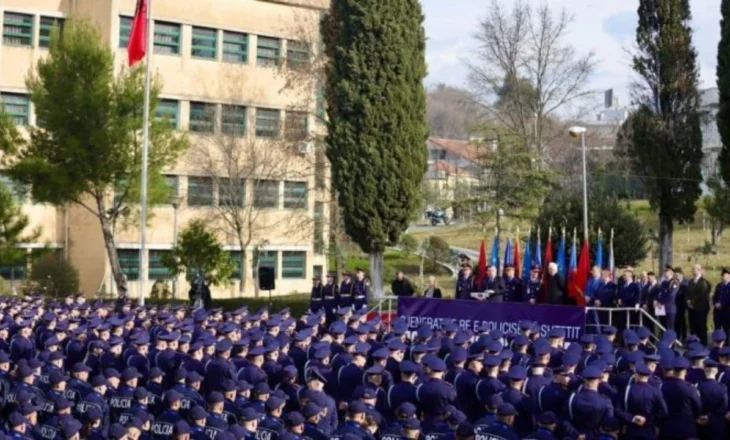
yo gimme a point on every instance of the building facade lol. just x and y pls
(220, 63)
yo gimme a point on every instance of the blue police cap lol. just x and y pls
(405, 410)
(261, 388)
(98, 381)
(141, 393)
(547, 418)
(709, 363)
(492, 361)
(458, 354)
(80, 367)
(156, 372)
(57, 377)
(62, 403)
(436, 364)
(396, 344)
(198, 413)
(130, 373)
(381, 353)
(311, 410)
(699, 354)
(181, 427)
(224, 344)
(172, 396)
(517, 372)
(592, 372)
(643, 333)
(362, 348)
(274, 403)
(249, 414)
(16, 419)
(521, 340)
(506, 409)
(643, 369)
(719, 336)
(117, 432)
(294, 419)
(356, 407)
(365, 392)
(570, 359)
(92, 414)
(412, 424)
(408, 367)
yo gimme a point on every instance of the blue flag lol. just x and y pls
(509, 256)
(527, 261)
(494, 261)
(562, 268)
(599, 252)
(573, 258)
(538, 252)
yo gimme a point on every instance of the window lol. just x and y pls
(297, 54)
(293, 264)
(266, 194)
(18, 29)
(129, 260)
(236, 257)
(19, 191)
(200, 191)
(318, 228)
(295, 195)
(269, 259)
(321, 104)
(125, 30)
(268, 51)
(173, 185)
(47, 24)
(320, 169)
(202, 117)
(235, 47)
(167, 38)
(231, 192)
(168, 109)
(205, 43)
(156, 270)
(296, 126)
(267, 123)
(233, 120)
(17, 106)
(17, 271)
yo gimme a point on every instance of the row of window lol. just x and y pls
(204, 117)
(293, 264)
(19, 29)
(214, 44)
(266, 193)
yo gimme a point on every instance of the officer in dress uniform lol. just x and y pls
(330, 295)
(586, 409)
(512, 285)
(531, 292)
(346, 289)
(360, 291)
(714, 397)
(667, 297)
(316, 301)
(721, 300)
(465, 284)
(547, 424)
(464, 261)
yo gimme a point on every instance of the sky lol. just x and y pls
(606, 27)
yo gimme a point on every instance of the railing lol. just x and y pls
(635, 317)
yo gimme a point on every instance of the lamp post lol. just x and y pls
(575, 132)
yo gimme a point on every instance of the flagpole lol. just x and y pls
(145, 154)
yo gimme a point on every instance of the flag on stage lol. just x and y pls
(494, 260)
(137, 47)
(579, 280)
(546, 262)
(599, 251)
(527, 261)
(518, 257)
(482, 268)
(538, 251)
(611, 260)
(562, 268)
(509, 256)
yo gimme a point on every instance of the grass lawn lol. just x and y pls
(689, 241)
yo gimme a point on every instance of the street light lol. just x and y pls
(575, 132)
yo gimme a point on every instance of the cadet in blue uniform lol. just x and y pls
(360, 291)
(271, 427)
(502, 428)
(642, 408)
(714, 398)
(683, 404)
(514, 396)
(586, 409)
(434, 395)
(547, 423)
(162, 427)
(721, 300)
(354, 422)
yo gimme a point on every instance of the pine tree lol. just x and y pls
(663, 138)
(723, 85)
(377, 118)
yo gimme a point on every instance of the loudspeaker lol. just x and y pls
(266, 278)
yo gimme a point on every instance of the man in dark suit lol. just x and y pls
(556, 289)
(493, 285)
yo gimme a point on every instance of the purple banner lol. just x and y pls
(474, 315)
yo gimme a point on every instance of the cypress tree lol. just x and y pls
(663, 138)
(723, 85)
(377, 128)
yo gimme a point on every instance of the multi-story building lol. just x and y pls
(220, 62)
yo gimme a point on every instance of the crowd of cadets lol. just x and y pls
(71, 370)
